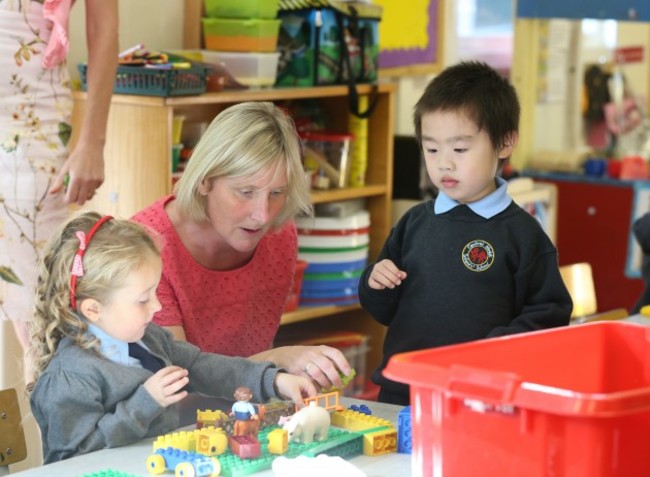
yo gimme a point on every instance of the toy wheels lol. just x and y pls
(185, 469)
(156, 464)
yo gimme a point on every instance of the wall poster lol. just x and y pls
(410, 37)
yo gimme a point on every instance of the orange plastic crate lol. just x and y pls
(567, 402)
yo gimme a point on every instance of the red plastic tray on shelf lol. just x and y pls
(294, 294)
(567, 402)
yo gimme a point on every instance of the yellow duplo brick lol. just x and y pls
(380, 442)
(357, 421)
(278, 441)
(183, 440)
(210, 418)
(211, 441)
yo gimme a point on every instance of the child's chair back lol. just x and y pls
(12, 437)
(579, 280)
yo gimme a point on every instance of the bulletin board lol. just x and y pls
(410, 38)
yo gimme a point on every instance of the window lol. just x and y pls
(485, 31)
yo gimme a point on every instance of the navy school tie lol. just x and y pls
(147, 360)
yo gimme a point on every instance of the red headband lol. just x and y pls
(77, 263)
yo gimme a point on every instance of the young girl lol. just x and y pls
(95, 298)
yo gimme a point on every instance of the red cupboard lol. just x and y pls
(594, 219)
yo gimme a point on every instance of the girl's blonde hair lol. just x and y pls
(117, 248)
(243, 140)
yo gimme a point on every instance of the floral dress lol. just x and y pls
(35, 112)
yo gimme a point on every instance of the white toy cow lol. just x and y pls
(309, 424)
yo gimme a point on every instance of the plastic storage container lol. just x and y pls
(250, 69)
(294, 296)
(567, 402)
(232, 34)
(336, 249)
(155, 82)
(176, 156)
(327, 154)
(241, 8)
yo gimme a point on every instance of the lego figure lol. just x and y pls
(246, 418)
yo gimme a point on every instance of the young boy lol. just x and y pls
(470, 264)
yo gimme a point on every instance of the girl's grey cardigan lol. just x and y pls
(85, 402)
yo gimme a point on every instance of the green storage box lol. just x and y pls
(229, 34)
(241, 8)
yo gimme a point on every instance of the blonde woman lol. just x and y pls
(103, 374)
(230, 245)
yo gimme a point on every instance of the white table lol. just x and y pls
(132, 458)
(639, 319)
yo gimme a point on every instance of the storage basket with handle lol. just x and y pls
(155, 82)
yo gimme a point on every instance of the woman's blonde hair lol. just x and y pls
(117, 248)
(243, 140)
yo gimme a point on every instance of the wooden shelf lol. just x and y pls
(310, 313)
(545, 194)
(238, 96)
(345, 194)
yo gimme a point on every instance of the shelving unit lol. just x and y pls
(138, 171)
(543, 195)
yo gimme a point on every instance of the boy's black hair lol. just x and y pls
(476, 89)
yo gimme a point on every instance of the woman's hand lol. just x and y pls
(166, 385)
(322, 364)
(296, 388)
(81, 174)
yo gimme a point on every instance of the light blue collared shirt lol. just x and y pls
(114, 349)
(487, 207)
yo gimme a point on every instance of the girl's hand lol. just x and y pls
(385, 275)
(292, 387)
(165, 386)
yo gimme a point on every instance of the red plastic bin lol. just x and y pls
(567, 402)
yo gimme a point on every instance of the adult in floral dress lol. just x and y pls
(35, 112)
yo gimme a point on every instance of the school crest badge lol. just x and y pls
(478, 255)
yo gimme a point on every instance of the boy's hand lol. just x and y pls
(385, 275)
(296, 388)
(165, 386)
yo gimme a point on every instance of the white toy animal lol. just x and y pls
(311, 422)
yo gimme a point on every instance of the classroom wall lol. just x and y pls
(156, 23)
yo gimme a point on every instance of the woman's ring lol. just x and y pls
(308, 367)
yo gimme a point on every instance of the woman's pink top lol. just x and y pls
(234, 312)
